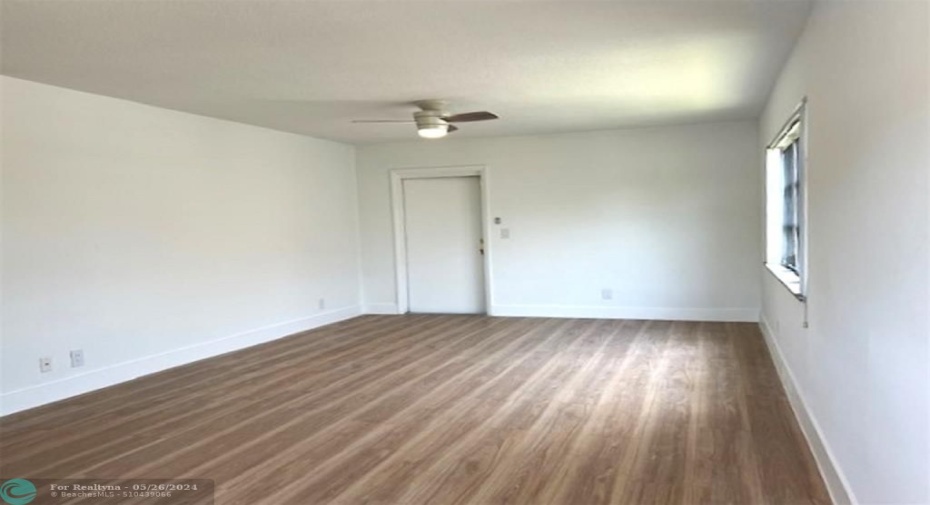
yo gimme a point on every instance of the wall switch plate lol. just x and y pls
(505, 232)
(77, 358)
(45, 365)
(322, 303)
(607, 294)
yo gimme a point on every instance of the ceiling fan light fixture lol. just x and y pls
(433, 121)
(433, 131)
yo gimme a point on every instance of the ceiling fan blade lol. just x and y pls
(383, 121)
(471, 116)
(452, 128)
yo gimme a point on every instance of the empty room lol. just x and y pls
(405, 252)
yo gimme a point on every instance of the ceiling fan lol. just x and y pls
(433, 121)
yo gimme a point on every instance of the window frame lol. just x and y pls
(793, 132)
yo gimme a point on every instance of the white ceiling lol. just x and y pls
(312, 66)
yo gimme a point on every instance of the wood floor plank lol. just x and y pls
(480, 413)
(209, 411)
(132, 393)
(503, 368)
(584, 473)
(448, 409)
(540, 435)
(299, 403)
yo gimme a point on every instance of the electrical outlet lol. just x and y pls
(45, 365)
(607, 294)
(505, 232)
(322, 303)
(77, 358)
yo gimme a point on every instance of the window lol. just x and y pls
(785, 212)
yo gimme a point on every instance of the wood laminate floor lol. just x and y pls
(444, 409)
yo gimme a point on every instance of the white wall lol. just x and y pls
(861, 369)
(668, 218)
(144, 236)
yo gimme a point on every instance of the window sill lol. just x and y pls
(789, 279)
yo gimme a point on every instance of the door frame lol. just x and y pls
(398, 176)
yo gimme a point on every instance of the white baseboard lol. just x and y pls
(837, 485)
(380, 308)
(41, 394)
(657, 313)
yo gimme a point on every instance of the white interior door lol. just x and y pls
(445, 267)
